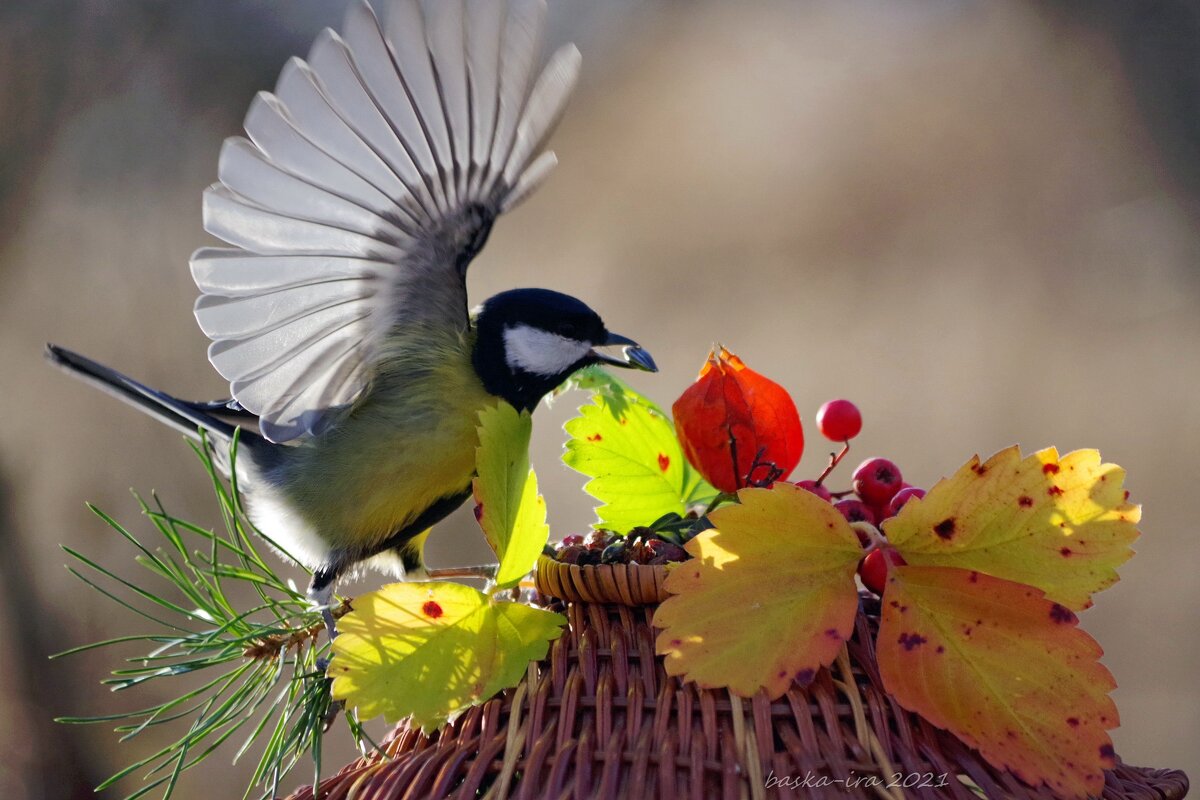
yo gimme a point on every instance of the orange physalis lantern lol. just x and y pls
(736, 426)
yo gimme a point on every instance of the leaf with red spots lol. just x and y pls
(767, 598)
(1062, 525)
(731, 414)
(507, 505)
(428, 651)
(627, 446)
(1004, 669)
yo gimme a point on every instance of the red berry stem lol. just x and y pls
(834, 460)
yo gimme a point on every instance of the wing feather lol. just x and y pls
(246, 171)
(369, 177)
(533, 177)
(233, 317)
(522, 43)
(241, 360)
(268, 126)
(405, 31)
(447, 47)
(253, 228)
(313, 114)
(484, 30)
(544, 108)
(303, 406)
(372, 58)
(230, 272)
(331, 62)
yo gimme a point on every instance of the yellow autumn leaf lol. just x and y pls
(1004, 669)
(1062, 525)
(768, 596)
(431, 650)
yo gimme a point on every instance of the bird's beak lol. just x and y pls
(634, 357)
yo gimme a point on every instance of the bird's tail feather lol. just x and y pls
(179, 414)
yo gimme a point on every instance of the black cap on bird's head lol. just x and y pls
(528, 341)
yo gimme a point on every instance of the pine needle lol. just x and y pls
(259, 666)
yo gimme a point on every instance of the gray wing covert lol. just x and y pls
(370, 178)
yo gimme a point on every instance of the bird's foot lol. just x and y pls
(331, 715)
(322, 597)
(330, 622)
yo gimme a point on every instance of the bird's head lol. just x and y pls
(528, 341)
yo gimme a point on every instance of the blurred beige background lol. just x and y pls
(978, 221)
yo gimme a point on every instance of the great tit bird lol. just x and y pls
(370, 179)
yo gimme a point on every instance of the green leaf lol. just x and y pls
(507, 504)
(627, 446)
(431, 650)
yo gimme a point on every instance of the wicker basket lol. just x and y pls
(599, 718)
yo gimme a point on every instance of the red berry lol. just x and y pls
(873, 569)
(877, 480)
(572, 539)
(816, 488)
(839, 420)
(855, 511)
(881, 512)
(902, 497)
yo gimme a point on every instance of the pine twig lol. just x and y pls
(270, 646)
(260, 667)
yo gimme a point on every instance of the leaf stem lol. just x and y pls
(722, 497)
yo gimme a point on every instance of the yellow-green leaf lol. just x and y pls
(1062, 525)
(1004, 669)
(507, 504)
(767, 598)
(431, 650)
(628, 447)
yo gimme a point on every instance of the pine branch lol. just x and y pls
(260, 666)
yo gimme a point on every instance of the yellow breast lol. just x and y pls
(407, 443)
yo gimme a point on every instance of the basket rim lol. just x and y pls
(623, 584)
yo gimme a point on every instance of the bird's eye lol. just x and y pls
(568, 329)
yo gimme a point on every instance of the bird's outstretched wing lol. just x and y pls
(370, 178)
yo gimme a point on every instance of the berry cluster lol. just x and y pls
(878, 491)
(641, 546)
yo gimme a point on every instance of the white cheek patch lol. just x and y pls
(541, 352)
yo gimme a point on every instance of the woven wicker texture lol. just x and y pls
(624, 584)
(599, 718)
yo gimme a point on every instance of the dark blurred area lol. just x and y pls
(978, 221)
